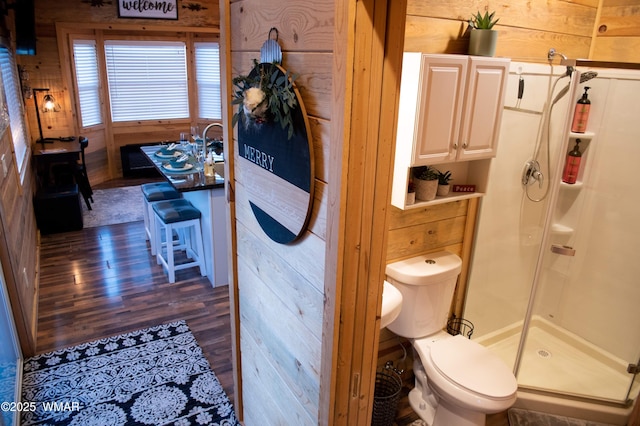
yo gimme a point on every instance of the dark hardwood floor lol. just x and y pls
(102, 281)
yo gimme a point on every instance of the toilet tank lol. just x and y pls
(426, 283)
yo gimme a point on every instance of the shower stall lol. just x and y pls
(554, 284)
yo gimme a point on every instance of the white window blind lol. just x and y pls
(15, 108)
(87, 81)
(147, 80)
(208, 80)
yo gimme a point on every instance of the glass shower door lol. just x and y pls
(583, 334)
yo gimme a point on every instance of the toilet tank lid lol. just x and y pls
(424, 269)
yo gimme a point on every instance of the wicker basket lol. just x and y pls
(386, 396)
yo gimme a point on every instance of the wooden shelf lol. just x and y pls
(455, 196)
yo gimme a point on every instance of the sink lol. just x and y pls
(391, 304)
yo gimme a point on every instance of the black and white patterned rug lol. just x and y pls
(155, 376)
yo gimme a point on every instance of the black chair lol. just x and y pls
(76, 173)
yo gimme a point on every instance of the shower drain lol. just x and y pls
(543, 353)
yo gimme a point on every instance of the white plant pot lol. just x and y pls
(426, 189)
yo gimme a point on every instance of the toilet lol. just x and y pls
(458, 381)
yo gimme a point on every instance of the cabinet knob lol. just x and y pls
(464, 146)
(455, 146)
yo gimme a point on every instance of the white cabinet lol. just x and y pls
(450, 111)
(450, 106)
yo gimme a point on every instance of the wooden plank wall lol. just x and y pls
(527, 28)
(281, 287)
(46, 70)
(18, 247)
(617, 34)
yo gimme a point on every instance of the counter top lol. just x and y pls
(186, 181)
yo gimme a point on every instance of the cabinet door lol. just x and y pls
(486, 86)
(439, 108)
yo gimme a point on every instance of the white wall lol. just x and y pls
(510, 225)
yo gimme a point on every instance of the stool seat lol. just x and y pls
(159, 191)
(172, 211)
(152, 193)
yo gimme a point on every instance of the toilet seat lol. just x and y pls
(472, 367)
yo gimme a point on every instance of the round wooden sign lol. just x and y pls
(277, 171)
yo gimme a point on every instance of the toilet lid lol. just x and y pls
(473, 366)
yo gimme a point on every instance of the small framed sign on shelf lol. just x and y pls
(464, 188)
(143, 9)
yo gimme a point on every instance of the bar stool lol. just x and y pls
(181, 216)
(154, 192)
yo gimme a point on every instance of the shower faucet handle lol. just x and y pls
(537, 175)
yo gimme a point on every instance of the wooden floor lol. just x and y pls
(102, 281)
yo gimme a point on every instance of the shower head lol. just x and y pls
(587, 75)
(584, 77)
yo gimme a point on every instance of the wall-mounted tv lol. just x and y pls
(25, 14)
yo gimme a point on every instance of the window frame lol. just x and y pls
(100, 35)
(20, 164)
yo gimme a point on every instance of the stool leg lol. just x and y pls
(145, 215)
(200, 245)
(171, 267)
(158, 243)
(153, 235)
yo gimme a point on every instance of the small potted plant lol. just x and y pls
(425, 182)
(411, 193)
(443, 183)
(483, 38)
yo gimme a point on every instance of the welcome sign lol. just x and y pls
(277, 173)
(148, 9)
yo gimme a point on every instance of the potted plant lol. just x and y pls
(411, 193)
(443, 183)
(425, 182)
(483, 38)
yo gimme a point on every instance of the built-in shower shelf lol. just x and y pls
(585, 135)
(575, 186)
(559, 229)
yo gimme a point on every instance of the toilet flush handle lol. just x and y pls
(563, 250)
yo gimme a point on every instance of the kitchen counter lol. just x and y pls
(190, 180)
(207, 194)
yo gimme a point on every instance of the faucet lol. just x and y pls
(532, 173)
(204, 137)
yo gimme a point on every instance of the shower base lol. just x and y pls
(555, 360)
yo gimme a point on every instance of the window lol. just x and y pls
(208, 80)
(87, 81)
(147, 80)
(15, 108)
